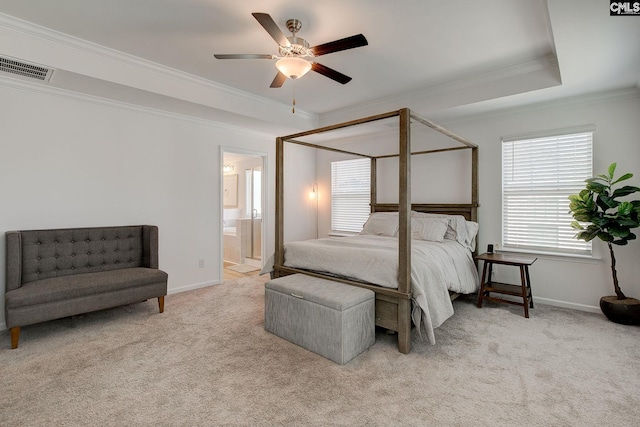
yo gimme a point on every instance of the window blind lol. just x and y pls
(350, 194)
(538, 175)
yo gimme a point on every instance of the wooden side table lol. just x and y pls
(523, 290)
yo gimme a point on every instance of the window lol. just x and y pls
(350, 194)
(538, 175)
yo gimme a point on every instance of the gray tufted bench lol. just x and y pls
(58, 273)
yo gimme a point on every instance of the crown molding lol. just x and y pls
(34, 30)
(54, 92)
(546, 62)
(590, 98)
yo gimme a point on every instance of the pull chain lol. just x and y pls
(293, 95)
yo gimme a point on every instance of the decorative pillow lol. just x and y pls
(457, 229)
(472, 232)
(432, 229)
(381, 224)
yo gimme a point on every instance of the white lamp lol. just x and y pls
(313, 194)
(293, 67)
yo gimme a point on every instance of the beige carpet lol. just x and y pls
(208, 361)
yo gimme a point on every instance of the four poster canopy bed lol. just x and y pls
(404, 253)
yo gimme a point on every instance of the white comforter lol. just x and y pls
(436, 268)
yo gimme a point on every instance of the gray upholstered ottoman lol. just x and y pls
(329, 318)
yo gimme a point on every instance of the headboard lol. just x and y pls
(469, 211)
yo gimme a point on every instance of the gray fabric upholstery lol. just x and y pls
(74, 286)
(53, 253)
(31, 314)
(63, 272)
(13, 257)
(335, 295)
(332, 319)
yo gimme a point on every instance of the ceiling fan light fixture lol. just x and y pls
(293, 67)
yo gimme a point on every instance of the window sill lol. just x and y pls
(591, 259)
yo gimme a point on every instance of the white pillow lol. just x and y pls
(457, 228)
(472, 232)
(432, 229)
(381, 224)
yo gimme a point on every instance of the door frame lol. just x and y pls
(264, 189)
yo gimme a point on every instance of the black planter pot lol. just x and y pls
(626, 311)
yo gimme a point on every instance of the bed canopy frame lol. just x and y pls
(393, 306)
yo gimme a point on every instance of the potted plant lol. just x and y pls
(611, 220)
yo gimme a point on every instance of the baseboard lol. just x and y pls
(192, 286)
(564, 304)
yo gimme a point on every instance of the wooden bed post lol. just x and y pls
(404, 232)
(474, 185)
(278, 257)
(374, 185)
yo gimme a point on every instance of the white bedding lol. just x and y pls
(436, 268)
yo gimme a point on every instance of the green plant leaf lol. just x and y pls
(596, 187)
(598, 178)
(587, 235)
(622, 178)
(606, 202)
(612, 170)
(600, 222)
(624, 209)
(582, 217)
(618, 232)
(605, 236)
(620, 242)
(576, 225)
(625, 191)
(629, 222)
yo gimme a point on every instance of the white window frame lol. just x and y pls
(544, 169)
(350, 194)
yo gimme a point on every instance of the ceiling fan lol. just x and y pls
(295, 57)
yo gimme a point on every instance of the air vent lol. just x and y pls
(24, 69)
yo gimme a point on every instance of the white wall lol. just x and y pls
(443, 177)
(616, 117)
(71, 161)
(299, 176)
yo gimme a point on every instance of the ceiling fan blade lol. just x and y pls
(343, 44)
(272, 28)
(279, 80)
(331, 73)
(242, 56)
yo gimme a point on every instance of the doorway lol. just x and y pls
(253, 179)
(243, 195)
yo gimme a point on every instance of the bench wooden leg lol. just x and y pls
(161, 304)
(15, 336)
